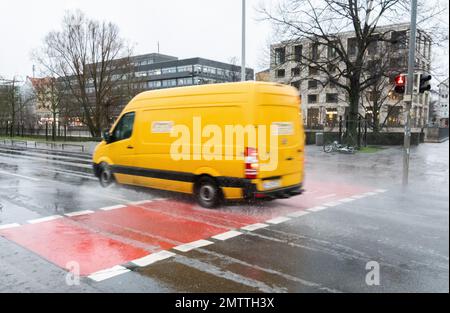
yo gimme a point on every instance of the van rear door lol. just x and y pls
(278, 109)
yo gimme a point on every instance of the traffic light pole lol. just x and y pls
(409, 93)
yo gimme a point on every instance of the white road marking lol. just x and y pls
(71, 174)
(327, 196)
(45, 219)
(227, 235)
(370, 193)
(140, 202)
(333, 203)
(346, 200)
(108, 273)
(359, 196)
(298, 214)
(113, 207)
(380, 190)
(317, 208)
(193, 245)
(278, 220)
(21, 176)
(152, 258)
(253, 227)
(7, 226)
(78, 213)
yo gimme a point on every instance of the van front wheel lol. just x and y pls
(105, 175)
(207, 192)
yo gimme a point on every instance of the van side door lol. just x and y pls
(121, 147)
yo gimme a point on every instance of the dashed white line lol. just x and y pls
(298, 213)
(370, 193)
(7, 226)
(45, 219)
(333, 203)
(193, 245)
(278, 220)
(317, 208)
(380, 190)
(113, 207)
(227, 235)
(140, 202)
(327, 196)
(20, 176)
(344, 200)
(78, 213)
(152, 258)
(359, 196)
(253, 227)
(108, 273)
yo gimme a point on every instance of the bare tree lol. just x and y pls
(92, 61)
(11, 103)
(340, 60)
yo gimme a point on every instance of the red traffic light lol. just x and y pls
(400, 80)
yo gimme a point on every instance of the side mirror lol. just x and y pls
(106, 136)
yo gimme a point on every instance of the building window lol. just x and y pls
(184, 68)
(154, 84)
(169, 70)
(185, 81)
(296, 84)
(295, 71)
(331, 119)
(280, 55)
(313, 118)
(332, 97)
(352, 48)
(209, 70)
(154, 72)
(169, 82)
(398, 39)
(313, 70)
(312, 84)
(298, 53)
(197, 69)
(281, 73)
(312, 98)
(315, 51)
(331, 52)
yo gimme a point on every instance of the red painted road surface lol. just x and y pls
(104, 239)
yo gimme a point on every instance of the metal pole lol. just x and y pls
(409, 92)
(243, 78)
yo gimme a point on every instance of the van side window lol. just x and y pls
(124, 127)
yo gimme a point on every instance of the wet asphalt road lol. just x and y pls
(326, 250)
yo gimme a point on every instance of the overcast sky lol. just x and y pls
(194, 28)
(184, 28)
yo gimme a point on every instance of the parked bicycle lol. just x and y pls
(336, 146)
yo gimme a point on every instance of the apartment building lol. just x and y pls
(323, 103)
(442, 112)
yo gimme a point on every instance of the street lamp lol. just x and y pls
(243, 78)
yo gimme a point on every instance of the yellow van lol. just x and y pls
(221, 141)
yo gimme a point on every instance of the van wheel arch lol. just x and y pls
(211, 195)
(105, 175)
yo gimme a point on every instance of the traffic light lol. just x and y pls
(424, 82)
(400, 82)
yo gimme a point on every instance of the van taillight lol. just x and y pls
(251, 163)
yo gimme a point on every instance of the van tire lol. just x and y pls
(105, 175)
(207, 192)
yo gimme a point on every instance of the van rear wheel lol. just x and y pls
(105, 175)
(207, 193)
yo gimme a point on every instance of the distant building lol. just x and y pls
(155, 71)
(442, 111)
(263, 76)
(323, 105)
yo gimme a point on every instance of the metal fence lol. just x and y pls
(61, 131)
